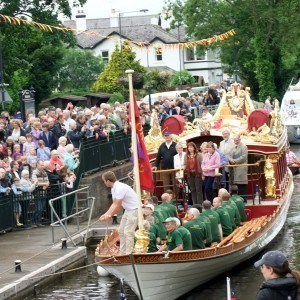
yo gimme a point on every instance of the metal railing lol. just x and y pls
(56, 220)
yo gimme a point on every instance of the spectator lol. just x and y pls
(36, 132)
(29, 144)
(40, 176)
(17, 191)
(69, 159)
(32, 158)
(55, 162)
(61, 149)
(16, 130)
(47, 136)
(4, 183)
(75, 136)
(43, 152)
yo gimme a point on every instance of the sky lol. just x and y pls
(102, 8)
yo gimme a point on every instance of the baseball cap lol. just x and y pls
(167, 133)
(150, 206)
(170, 220)
(274, 259)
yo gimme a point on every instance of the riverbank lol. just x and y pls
(40, 258)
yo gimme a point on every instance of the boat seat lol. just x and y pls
(224, 249)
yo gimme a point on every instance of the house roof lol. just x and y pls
(145, 33)
(99, 95)
(66, 97)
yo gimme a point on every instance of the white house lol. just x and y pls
(92, 35)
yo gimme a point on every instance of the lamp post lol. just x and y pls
(232, 20)
(27, 102)
(121, 43)
(179, 52)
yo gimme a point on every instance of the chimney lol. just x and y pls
(154, 21)
(80, 20)
(114, 18)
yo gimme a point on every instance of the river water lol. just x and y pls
(245, 279)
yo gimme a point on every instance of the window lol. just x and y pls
(105, 56)
(195, 53)
(158, 54)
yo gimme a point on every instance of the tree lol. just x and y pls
(158, 79)
(32, 56)
(267, 38)
(183, 77)
(110, 80)
(78, 69)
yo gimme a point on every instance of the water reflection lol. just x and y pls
(245, 279)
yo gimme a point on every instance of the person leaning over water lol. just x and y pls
(123, 196)
(281, 283)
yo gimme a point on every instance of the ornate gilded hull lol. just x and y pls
(169, 278)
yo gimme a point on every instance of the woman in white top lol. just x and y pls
(61, 149)
(179, 160)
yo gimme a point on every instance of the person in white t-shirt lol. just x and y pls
(123, 196)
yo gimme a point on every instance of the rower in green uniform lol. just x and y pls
(196, 228)
(216, 228)
(186, 236)
(202, 218)
(166, 209)
(174, 238)
(231, 207)
(239, 201)
(152, 244)
(224, 216)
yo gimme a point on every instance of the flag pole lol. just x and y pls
(135, 150)
(228, 288)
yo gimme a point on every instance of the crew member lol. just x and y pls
(239, 202)
(123, 196)
(216, 228)
(224, 216)
(174, 238)
(196, 228)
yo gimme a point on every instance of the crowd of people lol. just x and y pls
(39, 157)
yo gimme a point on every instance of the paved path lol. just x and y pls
(35, 246)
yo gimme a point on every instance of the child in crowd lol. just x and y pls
(35, 133)
(17, 190)
(9, 155)
(22, 141)
(16, 152)
(29, 144)
(43, 152)
(10, 143)
(32, 158)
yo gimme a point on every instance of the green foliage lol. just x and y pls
(78, 69)
(183, 77)
(32, 56)
(158, 79)
(118, 97)
(267, 40)
(109, 80)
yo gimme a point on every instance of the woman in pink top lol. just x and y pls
(210, 162)
(55, 161)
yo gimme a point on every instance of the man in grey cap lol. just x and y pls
(280, 282)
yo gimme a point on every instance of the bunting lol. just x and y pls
(50, 28)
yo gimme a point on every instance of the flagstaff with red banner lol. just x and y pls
(141, 165)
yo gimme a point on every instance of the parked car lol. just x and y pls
(199, 89)
(170, 95)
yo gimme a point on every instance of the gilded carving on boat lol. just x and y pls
(269, 171)
(142, 241)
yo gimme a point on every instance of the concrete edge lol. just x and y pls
(27, 281)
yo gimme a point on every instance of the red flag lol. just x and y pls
(146, 177)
